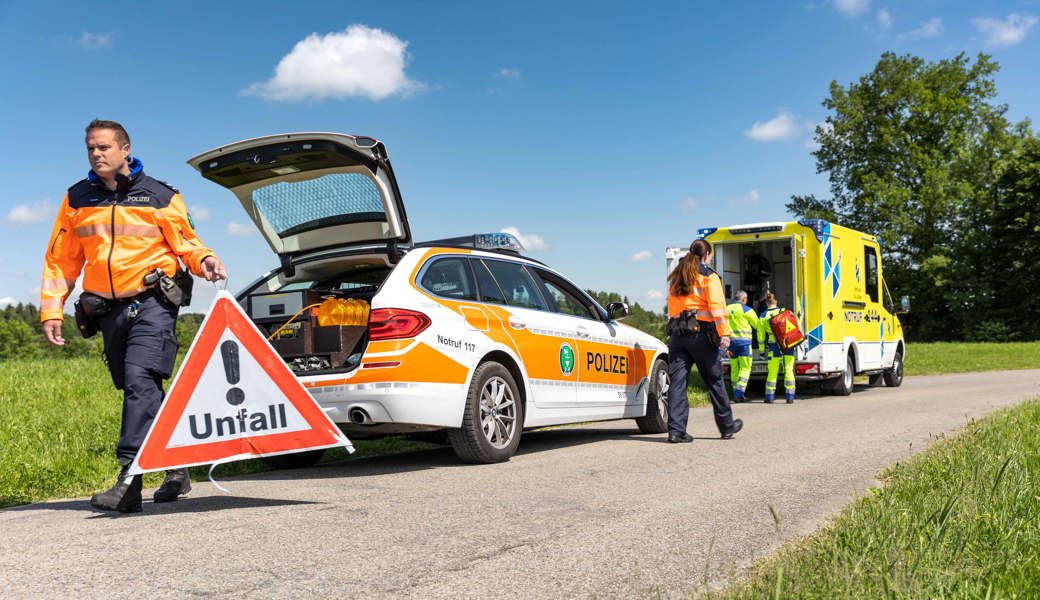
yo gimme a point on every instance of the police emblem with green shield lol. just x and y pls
(566, 358)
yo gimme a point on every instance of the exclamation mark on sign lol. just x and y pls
(229, 352)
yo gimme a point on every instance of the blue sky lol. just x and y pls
(601, 132)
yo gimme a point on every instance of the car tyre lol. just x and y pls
(298, 460)
(493, 418)
(843, 386)
(894, 376)
(656, 418)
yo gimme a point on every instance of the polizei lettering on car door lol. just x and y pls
(606, 363)
(207, 426)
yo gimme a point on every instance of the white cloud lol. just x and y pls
(689, 205)
(530, 241)
(654, 294)
(507, 74)
(641, 256)
(92, 41)
(7, 301)
(1008, 32)
(884, 19)
(929, 29)
(23, 213)
(234, 228)
(359, 61)
(852, 8)
(751, 196)
(782, 126)
(199, 213)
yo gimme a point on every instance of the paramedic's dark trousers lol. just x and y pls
(140, 351)
(685, 351)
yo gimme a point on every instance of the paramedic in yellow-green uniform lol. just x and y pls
(775, 354)
(742, 321)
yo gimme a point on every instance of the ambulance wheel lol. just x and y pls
(493, 419)
(656, 418)
(298, 460)
(843, 386)
(894, 376)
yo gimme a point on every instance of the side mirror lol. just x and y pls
(904, 304)
(617, 310)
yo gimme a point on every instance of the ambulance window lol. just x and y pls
(520, 289)
(567, 299)
(488, 288)
(870, 258)
(449, 278)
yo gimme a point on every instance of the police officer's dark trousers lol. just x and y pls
(140, 349)
(685, 351)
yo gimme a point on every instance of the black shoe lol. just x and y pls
(682, 438)
(124, 496)
(737, 426)
(176, 484)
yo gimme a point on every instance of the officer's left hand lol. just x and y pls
(212, 269)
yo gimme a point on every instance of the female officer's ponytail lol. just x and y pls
(680, 280)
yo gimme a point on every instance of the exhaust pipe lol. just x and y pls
(359, 416)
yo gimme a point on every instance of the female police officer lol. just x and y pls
(697, 328)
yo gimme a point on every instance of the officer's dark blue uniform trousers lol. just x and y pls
(140, 350)
(685, 351)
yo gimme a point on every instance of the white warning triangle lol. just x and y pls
(233, 398)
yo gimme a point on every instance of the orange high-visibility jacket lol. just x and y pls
(706, 299)
(116, 238)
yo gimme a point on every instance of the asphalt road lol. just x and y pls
(594, 511)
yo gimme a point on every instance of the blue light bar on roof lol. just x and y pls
(497, 241)
(819, 226)
(706, 231)
(481, 241)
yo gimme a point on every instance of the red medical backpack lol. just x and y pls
(785, 329)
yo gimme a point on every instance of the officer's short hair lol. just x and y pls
(121, 135)
(740, 296)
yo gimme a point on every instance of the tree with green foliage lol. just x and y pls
(1014, 239)
(17, 340)
(912, 151)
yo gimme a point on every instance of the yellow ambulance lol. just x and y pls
(832, 279)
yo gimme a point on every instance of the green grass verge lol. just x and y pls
(961, 520)
(959, 357)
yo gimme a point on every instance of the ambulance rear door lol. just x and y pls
(873, 332)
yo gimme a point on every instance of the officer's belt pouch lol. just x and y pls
(186, 283)
(684, 324)
(87, 309)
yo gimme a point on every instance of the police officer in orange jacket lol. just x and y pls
(698, 328)
(123, 225)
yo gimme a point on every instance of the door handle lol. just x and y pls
(516, 323)
(582, 332)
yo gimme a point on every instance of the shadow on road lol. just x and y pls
(532, 442)
(184, 505)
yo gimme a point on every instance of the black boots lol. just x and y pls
(124, 496)
(176, 484)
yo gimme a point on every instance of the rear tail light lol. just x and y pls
(807, 368)
(396, 323)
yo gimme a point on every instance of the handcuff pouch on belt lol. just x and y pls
(87, 309)
(176, 290)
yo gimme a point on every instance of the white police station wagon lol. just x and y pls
(464, 336)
